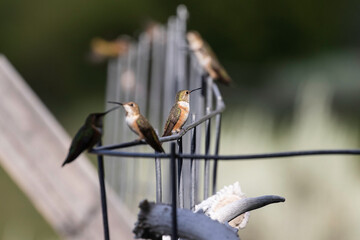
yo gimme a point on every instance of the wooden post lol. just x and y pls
(32, 147)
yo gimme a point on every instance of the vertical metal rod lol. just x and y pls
(158, 180)
(207, 161)
(173, 192)
(180, 174)
(208, 80)
(217, 146)
(193, 170)
(127, 188)
(108, 138)
(169, 90)
(103, 195)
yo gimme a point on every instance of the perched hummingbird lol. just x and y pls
(102, 49)
(140, 125)
(87, 136)
(207, 57)
(179, 112)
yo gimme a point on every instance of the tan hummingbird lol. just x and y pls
(140, 125)
(207, 57)
(179, 112)
(102, 49)
(87, 136)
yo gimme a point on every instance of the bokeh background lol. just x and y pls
(296, 68)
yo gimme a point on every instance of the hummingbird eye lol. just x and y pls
(187, 92)
(131, 105)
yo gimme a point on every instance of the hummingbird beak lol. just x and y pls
(111, 109)
(116, 102)
(195, 89)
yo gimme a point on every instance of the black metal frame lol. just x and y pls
(176, 159)
(174, 73)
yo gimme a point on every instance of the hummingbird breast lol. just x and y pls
(131, 122)
(185, 108)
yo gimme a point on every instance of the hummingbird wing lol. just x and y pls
(174, 116)
(83, 139)
(149, 133)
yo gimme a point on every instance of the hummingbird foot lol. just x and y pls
(175, 131)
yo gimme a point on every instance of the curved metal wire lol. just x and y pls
(230, 157)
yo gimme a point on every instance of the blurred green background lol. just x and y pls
(272, 50)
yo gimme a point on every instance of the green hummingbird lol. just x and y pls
(179, 112)
(140, 125)
(207, 57)
(87, 136)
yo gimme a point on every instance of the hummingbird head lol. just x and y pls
(131, 108)
(195, 40)
(97, 119)
(184, 95)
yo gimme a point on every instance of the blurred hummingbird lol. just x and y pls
(102, 49)
(207, 58)
(179, 112)
(87, 136)
(140, 125)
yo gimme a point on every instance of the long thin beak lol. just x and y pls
(116, 102)
(111, 109)
(195, 89)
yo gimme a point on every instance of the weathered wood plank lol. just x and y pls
(32, 148)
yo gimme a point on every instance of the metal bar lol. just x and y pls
(209, 83)
(110, 135)
(103, 195)
(198, 106)
(278, 154)
(231, 157)
(156, 85)
(127, 85)
(173, 191)
(157, 77)
(169, 89)
(114, 129)
(217, 146)
(206, 160)
(180, 31)
(180, 174)
(158, 180)
(141, 96)
(193, 170)
(217, 134)
(121, 145)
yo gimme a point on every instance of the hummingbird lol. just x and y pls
(87, 136)
(179, 112)
(140, 125)
(207, 58)
(102, 49)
